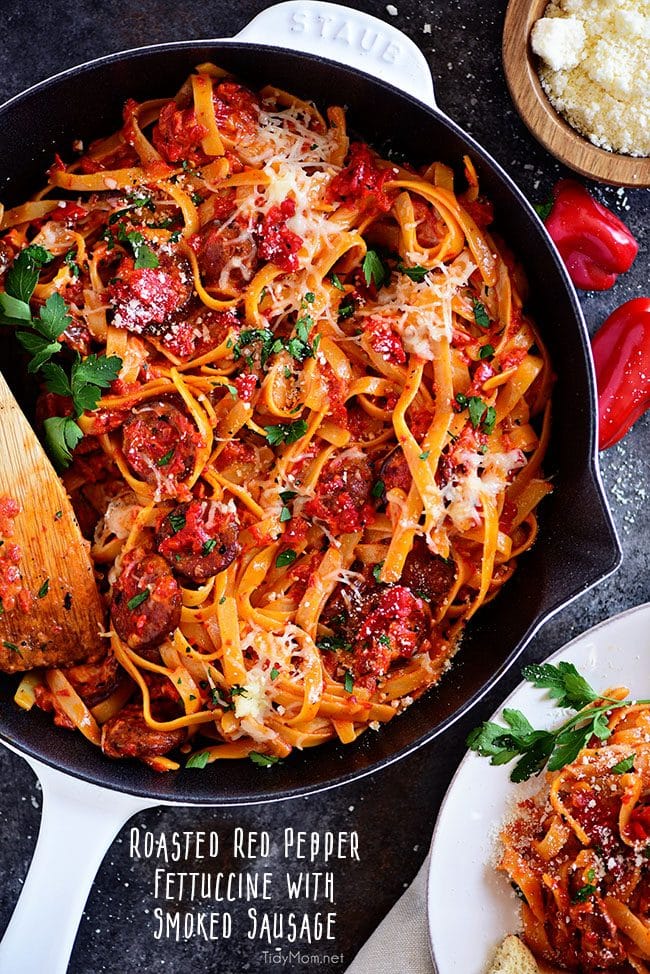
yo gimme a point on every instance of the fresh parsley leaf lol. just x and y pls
(61, 437)
(348, 682)
(254, 336)
(543, 209)
(177, 521)
(477, 409)
(165, 458)
(41, 349)
(198, 760)
(53, 317)
(138, 599)
(56, 379)
(23, 276)
(100, 370)
(489, 420)
(584, 893)
(563, 682)
(346, 307)
(481, 316)
(333, 644)
(286, 557)
(285, 432)
(557, 748)
(624, 765)
(264, 760)
(336, 282)
(13, 311)
(144, 255)
(486, 351)
(374, 269)
(417, 273)
(69, 261)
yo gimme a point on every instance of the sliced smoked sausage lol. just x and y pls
(146, 600)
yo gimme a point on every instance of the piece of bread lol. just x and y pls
(513, 957)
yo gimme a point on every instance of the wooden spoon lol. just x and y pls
(548, 127)
(64, 617)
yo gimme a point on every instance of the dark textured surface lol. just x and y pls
(393, 811)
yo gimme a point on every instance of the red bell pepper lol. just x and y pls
(621, 350)
(594, 244)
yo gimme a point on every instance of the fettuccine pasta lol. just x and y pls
(323, 450)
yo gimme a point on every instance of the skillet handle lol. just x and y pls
(78, 824)
(348, 36)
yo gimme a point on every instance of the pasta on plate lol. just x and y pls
(578, 853)
(321, 449)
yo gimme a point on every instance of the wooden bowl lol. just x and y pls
(547, 125)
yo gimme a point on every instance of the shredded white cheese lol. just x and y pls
(596, 69)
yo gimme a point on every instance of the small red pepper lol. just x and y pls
(594, 244)
(621, 350)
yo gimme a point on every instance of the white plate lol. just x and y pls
(471, 907)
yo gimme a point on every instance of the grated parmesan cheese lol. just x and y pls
(595, 69)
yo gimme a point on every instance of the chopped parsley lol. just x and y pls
(376, 572)
(44, 589)
(237, 690)
(285, 432)
(138, 599)
(336, 282)
(11, 646)
(625, 765)
(585, 892)
(375, 270)
(275, 673)
(264, 760)
(208, 546)
(166, 458)
(143, 254)
(481, 414)
(416, 273)
(486, 351)
(543, 209)
(176, 521)
(333, 644)
(286, 557)
(481, 316)
(69, 261)
(285, 514)
(347, 307)
(378, 488)
(198, 760)
(287, 495)
(348, 682)
(425, 455)
(384, 639)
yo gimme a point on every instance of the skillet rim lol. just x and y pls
(116, 777)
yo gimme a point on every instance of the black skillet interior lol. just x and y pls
(577, 545)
